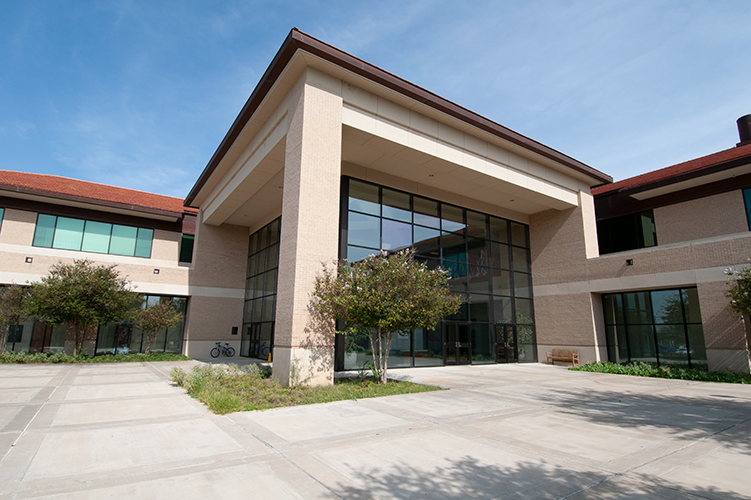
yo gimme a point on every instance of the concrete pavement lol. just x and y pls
(514, 431)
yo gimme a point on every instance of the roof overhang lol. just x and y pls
(298, 43)
(89, 203)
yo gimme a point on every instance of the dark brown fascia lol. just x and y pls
(27, 205)
(297, 40)
(693, 174)
(90, 201)
(616, 203)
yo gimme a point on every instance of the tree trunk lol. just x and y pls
(4, 332)
(384, 376)
(150, 337)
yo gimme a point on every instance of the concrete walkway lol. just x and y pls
(518, 431)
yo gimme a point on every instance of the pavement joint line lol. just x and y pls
(690, 445)
(31, 420)
(290, 461)
(631, 471)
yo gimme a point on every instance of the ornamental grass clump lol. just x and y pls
(227, 388)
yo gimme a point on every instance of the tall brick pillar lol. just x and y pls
(303, 350)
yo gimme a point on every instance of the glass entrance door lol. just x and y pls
(254, 336)
(457, 349)
(507, 350)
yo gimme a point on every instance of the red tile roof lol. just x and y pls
(90, 192)
(675, 170)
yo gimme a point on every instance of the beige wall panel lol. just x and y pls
(220, 256)
(18, 227)
(715, 215)
(166, 245)
(565, 320)
(557, 246)
(310, 230)
(723, 359)
(740, 249)
(212, 318)
(586, 354)
(721, 329)
(645, 263)
(201, 349)
(140, 270)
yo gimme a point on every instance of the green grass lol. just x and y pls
(227, 389)
(666, 371)
(38, 357)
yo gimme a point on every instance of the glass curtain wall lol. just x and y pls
(40, 336)
(661, 326)
(487, 257)
(123, 338)
(260, 292)
(91, 236)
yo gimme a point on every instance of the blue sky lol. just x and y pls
(140, 93)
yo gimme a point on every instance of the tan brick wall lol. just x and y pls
(557, 246)
(18, 227)
(212, 318)
(721, 329)
(310, 229)
(166, 245)
(18, 230)
(565, 320)
(707, 217)
(220, 256)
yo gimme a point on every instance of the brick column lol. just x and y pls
(303, 350)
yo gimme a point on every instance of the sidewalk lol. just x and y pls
(501, 431)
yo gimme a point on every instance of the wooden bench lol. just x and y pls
(564, 356)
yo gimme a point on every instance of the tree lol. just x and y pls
(83, 296)
(739, 291)
(13, 310)
(384, 294)
(152, 320)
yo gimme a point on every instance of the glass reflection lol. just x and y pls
(363, 197)
(452, 219)
(396, 235)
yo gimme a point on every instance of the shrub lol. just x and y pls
(640, 369)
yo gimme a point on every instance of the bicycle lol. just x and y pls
(264, 351)
(226, 349)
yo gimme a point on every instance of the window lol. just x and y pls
(627, 232)
(660, 326)
(186, 248)
(259, 315)
(2, 212)
(488, 259)
(746, 199)
(66, 233)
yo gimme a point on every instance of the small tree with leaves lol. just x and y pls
(154, 319)
(83, 296)
(739, 291)
(13, 310)
(384, 294)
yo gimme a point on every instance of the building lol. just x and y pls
(665, 239)
(45, 219)
(334, 158)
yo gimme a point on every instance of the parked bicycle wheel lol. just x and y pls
(264, 351)
(214, 352)
(230, 351)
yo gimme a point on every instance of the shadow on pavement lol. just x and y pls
(469, 478)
